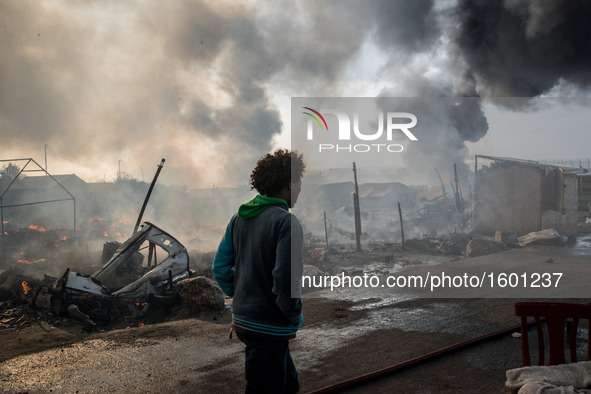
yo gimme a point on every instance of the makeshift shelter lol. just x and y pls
(523, 196)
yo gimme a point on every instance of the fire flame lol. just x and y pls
(65, 238)
(24, 261)
(141, 304)
(26, 287)
(37, 228)
(140, 324)
(106, 234)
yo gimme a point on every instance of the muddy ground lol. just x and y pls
(342, 337)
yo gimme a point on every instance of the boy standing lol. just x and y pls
(259, 263)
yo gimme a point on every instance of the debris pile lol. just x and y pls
(201, 294)
(483, 246)
(15, 315)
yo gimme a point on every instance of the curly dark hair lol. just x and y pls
(276, 170)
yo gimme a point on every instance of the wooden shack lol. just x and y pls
(523, 196)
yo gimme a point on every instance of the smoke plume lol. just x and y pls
(204, 84)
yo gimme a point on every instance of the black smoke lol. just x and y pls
(525, 48)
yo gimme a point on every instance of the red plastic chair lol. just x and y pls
(556, 315)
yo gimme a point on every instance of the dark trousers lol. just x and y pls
(268, 366)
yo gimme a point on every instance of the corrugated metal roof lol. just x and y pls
(533, 163)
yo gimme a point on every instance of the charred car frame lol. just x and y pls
(128, 284)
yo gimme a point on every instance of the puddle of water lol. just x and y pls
(448, 318)
(373, 303)
(583, 244)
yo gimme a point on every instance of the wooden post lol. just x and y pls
(457, 191)
(325, 231)
(401, 224)
(459, 187)
(454, 189)
(357, 210)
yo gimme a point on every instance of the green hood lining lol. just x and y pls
(257, 205)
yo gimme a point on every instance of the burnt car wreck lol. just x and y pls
(129, 284)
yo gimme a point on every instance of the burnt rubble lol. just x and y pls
(128, 285)
(15, 302)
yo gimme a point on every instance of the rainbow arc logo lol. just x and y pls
(315, 118)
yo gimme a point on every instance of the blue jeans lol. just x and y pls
(268, 366)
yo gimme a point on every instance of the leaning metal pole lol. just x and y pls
(139, 219)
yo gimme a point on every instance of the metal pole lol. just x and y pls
(325, 231)
(139, 219)
(401, 225)
(357, 210)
